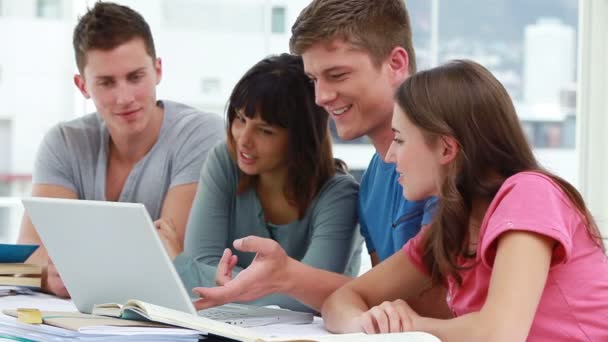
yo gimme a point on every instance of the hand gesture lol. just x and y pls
(266, 274)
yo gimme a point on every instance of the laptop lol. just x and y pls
(110, 252)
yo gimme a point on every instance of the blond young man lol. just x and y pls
(135, 148)
(357, 52)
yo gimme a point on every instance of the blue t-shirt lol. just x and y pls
(387, 219)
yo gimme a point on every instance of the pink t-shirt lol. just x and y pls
(574, 303)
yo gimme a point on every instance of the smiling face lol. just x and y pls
(356, 93)
(421, 166)
(260, 148)
(122, 84)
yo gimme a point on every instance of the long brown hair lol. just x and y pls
(278, 90)
(463, 100)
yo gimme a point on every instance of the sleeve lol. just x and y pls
(207, 231)
(334, 237)
(369, 244)
(52, 165)
(531, 203)
(414, 250)
(363, 227)
(197, 140)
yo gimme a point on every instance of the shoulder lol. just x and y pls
(529, 185)
(220, 161)
(339, 185)
(78, 132)
(183, 115)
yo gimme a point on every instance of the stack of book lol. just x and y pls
(13, 270)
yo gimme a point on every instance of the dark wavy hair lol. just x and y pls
(463, 100)
(278, 90)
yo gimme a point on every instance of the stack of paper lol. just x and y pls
(10, 328)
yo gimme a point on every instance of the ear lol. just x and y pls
(398, 63)
(448, 148)
(80, 84)
(158, 68)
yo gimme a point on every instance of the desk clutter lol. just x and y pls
(61, 322)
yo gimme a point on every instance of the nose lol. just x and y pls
(324, 93)
(124, 94)
(244, 137)
(390, 154)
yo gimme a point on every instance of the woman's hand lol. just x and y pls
(389, 317)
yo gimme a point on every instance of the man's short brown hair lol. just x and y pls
(377, 26)
(106, 26)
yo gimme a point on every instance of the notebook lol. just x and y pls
(110, 252)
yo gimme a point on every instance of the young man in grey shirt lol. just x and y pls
(135, 148)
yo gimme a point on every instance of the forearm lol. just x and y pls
(471, 327)
(284, 301)
(311, 285)
(341, 311)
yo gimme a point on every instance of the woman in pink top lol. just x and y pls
(517, 249)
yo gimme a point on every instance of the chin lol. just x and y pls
(348, 135)
(411, 197)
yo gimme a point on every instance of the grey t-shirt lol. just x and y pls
(326, 237)
(74, 155)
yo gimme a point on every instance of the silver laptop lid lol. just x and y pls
(107, 252)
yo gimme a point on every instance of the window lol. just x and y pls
(225, 37)
(213, 16)
(210, 86)
(278, 20)
(51, 9)
(529, 46)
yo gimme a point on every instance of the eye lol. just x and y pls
(338, 76)
(136, 77)
(266, 131)
(104, 83)
(397, 141)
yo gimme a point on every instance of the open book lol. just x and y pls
(138, 310)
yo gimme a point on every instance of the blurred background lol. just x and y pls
(206, 45)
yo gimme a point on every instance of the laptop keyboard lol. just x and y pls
(218, 314)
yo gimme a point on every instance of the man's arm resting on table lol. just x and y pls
(272, 271)
(51, 281)
(311, 285)
(27, 233)
(176, 207)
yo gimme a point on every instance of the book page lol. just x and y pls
(169, 316)
(107, 309)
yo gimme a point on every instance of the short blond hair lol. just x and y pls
(377, 26)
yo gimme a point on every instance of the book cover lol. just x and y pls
(11, 253)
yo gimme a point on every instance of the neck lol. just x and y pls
(132, 148)
(381, 139)
(272, 183)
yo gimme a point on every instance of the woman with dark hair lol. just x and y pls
(275, 178)
(515, 245)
